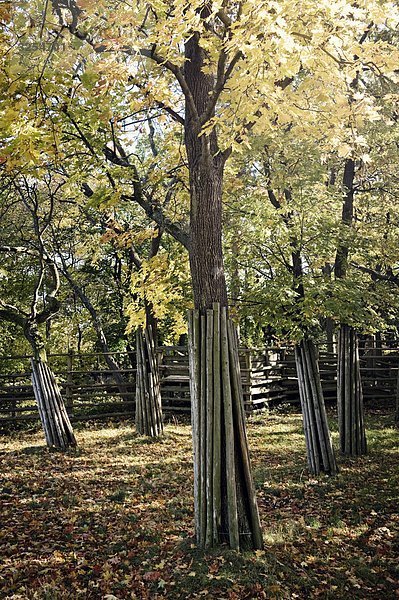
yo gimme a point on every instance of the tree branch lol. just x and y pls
(58, 5)
(12, 314)
(222, 77)
(156, 214)
(377, 275)
(178, 73)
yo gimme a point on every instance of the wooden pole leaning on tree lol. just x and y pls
(320, 452)
(148, 389)
(396, 415)
(225, 502)
(53, 415)
(352, 433)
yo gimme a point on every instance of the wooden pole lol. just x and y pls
(209, 428)
(217, 441)
(310, 451)
(331, 465)
(239, 416)
(313, 397)
(54, 408)
(41, 406)
(226, 505)
(204, 436)
(194, 351)
(229, 436)
(340, 389)
(64, 417)
(69, 382)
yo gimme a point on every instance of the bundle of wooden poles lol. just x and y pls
(53, 415)
(350, 394)
(225, 503)
(148, 388)
(320, 452)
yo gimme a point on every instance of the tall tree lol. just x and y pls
(319, 447)
(28, 200)
(224, 488)
(218, 69)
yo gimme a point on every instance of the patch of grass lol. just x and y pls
(69, 500)
(118, 496)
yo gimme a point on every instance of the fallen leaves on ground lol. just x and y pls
(113, 520)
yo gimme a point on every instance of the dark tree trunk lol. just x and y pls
(225, 503)
(318, 441)
(206, 256)
(350, 394)
(349, 384)
(206, 166)
(148, 387)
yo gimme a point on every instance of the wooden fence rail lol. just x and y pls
(268, 378)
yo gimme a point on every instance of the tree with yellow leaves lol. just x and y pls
(225, 72)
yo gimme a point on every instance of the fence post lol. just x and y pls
(69, 382)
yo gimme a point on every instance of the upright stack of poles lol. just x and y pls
(225, 502)
(396, 417)
(352, 433)
(53, 415)
(148, 389)
(320, 452)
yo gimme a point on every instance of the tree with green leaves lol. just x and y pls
(27, 208)
(225, 72)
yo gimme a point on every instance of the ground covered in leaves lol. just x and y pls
(114, 520)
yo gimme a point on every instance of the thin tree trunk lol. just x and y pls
(113, 366)
(350, 394)
(319, 447)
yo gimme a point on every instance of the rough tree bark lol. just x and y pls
(349, 384)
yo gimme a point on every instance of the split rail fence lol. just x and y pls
(268, 378)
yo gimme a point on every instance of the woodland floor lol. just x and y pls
(113, 520)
